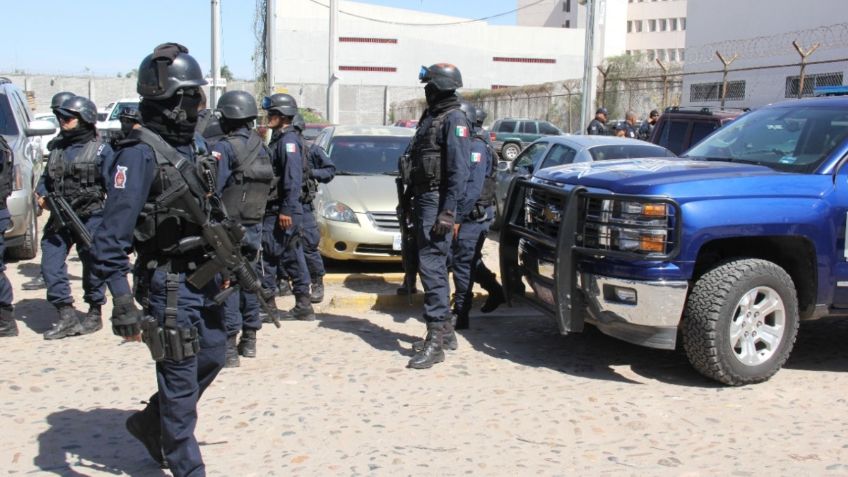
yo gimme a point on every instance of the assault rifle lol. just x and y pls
(66, 218)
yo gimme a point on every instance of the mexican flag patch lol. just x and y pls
(291, 147)
(476, 157)
(461, 131)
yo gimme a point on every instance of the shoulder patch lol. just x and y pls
(291, 147)
(476, 157)
(461, 131)
(121, 178)
(216, 155)
(100, 148)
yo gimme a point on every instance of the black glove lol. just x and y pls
(444, 223)
(126, 317)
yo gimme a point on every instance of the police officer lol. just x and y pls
(244, 180)
(647, 127)
(154, 205)
(283, 220)
(317, 169)
(130, 119)
(598, 126)
(208, 125)
(630, 125)
(77, 170)
(439, 171)
(37, 283)
(8, 326)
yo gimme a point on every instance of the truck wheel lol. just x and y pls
(740, 321)
(29, 248)
(510, 151)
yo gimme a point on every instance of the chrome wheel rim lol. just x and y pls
(757, 326)
(511, 153)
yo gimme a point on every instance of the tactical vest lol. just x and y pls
(7, 163)
(426, 155)
(310, 185)
(162, 224)
(487, 194)
(80, 182)
(252, 177)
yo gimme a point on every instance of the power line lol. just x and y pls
(461, 22)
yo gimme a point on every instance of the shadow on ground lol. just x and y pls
(821, 346)
(37, 314)
(353, 266)
(79, 442)
(376, 336)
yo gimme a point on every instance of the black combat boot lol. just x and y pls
(92, 321)
(408, 285)
(283, 288)
(460, 321)
(232, 356)
(449, 342)
(495, 299)
(247, 344)
(317, 295)
(432, 352)
(146, 428)
(302, 310)
(68, 324)
(8, 326)
(36, 283)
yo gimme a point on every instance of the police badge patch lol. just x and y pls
(121, 178)
(476, 157)
(461, 131)
(216, 155)
(291, 147)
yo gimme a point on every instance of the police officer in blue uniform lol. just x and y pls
(156, 205)
(283, 221)
(598, 126)
(8, 326)
(317, 169)
(77, 170)
(439, 162)
(245, 177)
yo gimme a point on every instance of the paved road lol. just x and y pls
(333, 397)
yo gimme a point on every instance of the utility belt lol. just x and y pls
(425, 187)
(478, 212)
(171, 341)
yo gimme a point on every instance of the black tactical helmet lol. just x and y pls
(481, 117)
(237, 105)
(80, 107)
(60, 98)
(129, 113)
(166, 70)
(469, 110)
(444, 76)
(298, 122)
(281, 103)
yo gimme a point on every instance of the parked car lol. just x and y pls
(50, 118)
(407, 123)
(509, 136)
(725, 249)
(24, 136)
(678, 129)
(311, 131)
(112, 124)
(558, 150)
(356, 212)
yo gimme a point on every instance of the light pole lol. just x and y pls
(214, 91)
(270, 39)
(332, 79)
(589, 81)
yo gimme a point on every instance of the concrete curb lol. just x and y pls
(379, 302)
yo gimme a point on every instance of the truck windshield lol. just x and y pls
(792, 139)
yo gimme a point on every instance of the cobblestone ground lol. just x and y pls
(333, 397)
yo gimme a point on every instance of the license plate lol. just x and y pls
(396, 242)
(544, 293)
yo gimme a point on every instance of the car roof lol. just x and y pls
(586, 141)
(362, 130)
(827, 101)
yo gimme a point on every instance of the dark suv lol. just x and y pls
(509, 136)
(678, 129)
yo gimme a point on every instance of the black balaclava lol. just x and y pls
(84, 132)
(126, 126)
(174, 118)
(439, 101)
(232, 125)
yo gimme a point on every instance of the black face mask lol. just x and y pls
(174, 118)
(431, 93)
(126, 127)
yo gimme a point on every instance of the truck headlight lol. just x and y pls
(642, 227)
(339, 212)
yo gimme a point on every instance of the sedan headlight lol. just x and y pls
(339, 212)
(642, 227)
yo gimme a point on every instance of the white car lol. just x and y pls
(50, 118)
(111, 123)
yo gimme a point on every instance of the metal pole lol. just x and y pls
(804, 55)
(270, 45)
(588, 64)
(332, 78)
(214, 91)
(726, 62)
(664, 68)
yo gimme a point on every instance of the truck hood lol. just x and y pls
(361, 193)
(684, 178)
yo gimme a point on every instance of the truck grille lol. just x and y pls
(376, 249)
(385, 221)
(543, 212)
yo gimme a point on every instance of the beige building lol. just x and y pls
(654, 28)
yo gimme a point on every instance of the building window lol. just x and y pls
(672, 55)
(650, 55)
(683, 24)
(811, 82)
(672, 24)
(359, 39)
(712, 91)
(681, 54)
(568, 24)
(629, 26)
(661, 54)
(663, 24)
(504, 59)
(638, 25)
(566, 6)
(652, 25)
(369, 69)
(627, 52)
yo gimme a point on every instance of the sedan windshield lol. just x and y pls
(628, 151)
(792, 139)
(367, 154)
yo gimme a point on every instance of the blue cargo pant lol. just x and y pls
(55, 246)
(241, 310)
(311, 237)
(467, 262)
(282, 248)
(433, 253)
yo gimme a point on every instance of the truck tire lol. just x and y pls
(29, 248)
(740, 321)
(510, 151)
(498, 219)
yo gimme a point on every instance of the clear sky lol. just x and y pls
(106, 37)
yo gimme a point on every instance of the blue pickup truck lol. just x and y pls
(722, 251)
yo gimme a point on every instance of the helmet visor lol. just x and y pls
(424, 74)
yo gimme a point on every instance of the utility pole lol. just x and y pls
(589, 80)
(215, 90)
(332, 79)
(270, 44)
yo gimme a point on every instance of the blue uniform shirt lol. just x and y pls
(322, 168)
(287, 160)
(107, 157)
(455, 140)
(480, 166)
